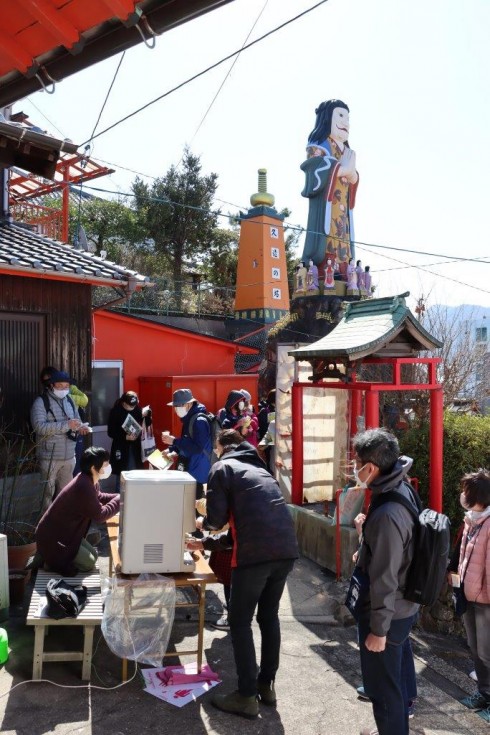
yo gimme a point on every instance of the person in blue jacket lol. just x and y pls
(194, 446)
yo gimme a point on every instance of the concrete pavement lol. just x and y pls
(315, 684)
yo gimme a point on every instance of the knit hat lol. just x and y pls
(130, 398)
(59, 376)
(234, 397)
(246, 394)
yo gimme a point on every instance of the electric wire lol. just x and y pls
(294, 227)
(88, 144)
(209, 68)
(228, 72)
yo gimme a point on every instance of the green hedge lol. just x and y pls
(466, 448)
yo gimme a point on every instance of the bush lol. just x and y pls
(466, 448)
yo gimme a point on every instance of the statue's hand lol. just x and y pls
(348, 165)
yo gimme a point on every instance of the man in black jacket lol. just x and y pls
(387, 547)
(242, 492)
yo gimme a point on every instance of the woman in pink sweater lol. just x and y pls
(474, 573)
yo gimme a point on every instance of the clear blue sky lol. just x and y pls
(414, 74)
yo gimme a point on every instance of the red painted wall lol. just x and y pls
(212, 390)
(150, 352)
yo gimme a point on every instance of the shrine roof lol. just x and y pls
(383, 327)
(25, 253)
(45, 41)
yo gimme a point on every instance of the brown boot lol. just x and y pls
(267, 693)
(236, 704)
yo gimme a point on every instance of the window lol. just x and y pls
(481, 334)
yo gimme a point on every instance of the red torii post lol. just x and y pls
(371, 391)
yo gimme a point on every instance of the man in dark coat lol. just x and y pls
(242, 492)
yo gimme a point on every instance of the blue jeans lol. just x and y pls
(384, 676)
(257, 586)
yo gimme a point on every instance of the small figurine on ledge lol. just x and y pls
(351, 278)
(329, 276)
(367, 281)
(312, 279)
(360, 277)
(300, 277)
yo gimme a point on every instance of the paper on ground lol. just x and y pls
(179, 694)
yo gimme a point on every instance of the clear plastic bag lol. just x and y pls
(138, 617)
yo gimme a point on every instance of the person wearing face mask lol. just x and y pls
(474, 563)
(56, 423)
(126, 443)
(195, 444)
(233, 409)
(61, 532)
(384, 617)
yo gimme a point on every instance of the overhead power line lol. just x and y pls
(208, 69)
(360, 243)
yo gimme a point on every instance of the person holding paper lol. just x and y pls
(124, 428)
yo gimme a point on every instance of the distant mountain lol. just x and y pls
(463, 313)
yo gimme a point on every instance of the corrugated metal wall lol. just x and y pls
(42, 322)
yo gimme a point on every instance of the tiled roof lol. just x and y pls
(25, 253)
(368, 327)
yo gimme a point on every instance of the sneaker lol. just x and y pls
(485, 714)
(362, 694)
(473, 675)
(236, 704)
(476, 701)
(368, 731)
(267, 693)
(411, 710)
(222, 623)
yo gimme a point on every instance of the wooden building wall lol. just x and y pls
(42, 322)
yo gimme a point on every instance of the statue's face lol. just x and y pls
(340, 125)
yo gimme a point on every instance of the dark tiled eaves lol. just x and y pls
(25, 253)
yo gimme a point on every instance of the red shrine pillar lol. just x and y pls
(297, 457)
(436, 445)
(372, 409)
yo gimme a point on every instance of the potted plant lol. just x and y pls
(21, 500)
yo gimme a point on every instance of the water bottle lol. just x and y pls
(4, 646)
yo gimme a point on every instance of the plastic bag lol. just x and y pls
(138, 617)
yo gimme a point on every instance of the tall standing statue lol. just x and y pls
(331, 184)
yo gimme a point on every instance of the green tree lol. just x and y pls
(110, 225)
(176, 211)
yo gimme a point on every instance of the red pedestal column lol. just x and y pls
(372, 409)
(436, 444)
(297, 450)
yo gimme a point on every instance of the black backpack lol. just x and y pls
(428, 568)
(214, 429)
(65, 600)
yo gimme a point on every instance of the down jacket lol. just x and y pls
(51, 427)
(242, 492)
(474, 559)
(195, 449)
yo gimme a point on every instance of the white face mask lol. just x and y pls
(462, 500)
(105, 472)
(241, 405)
(360, 483)
(181, 411)
(60, 393)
